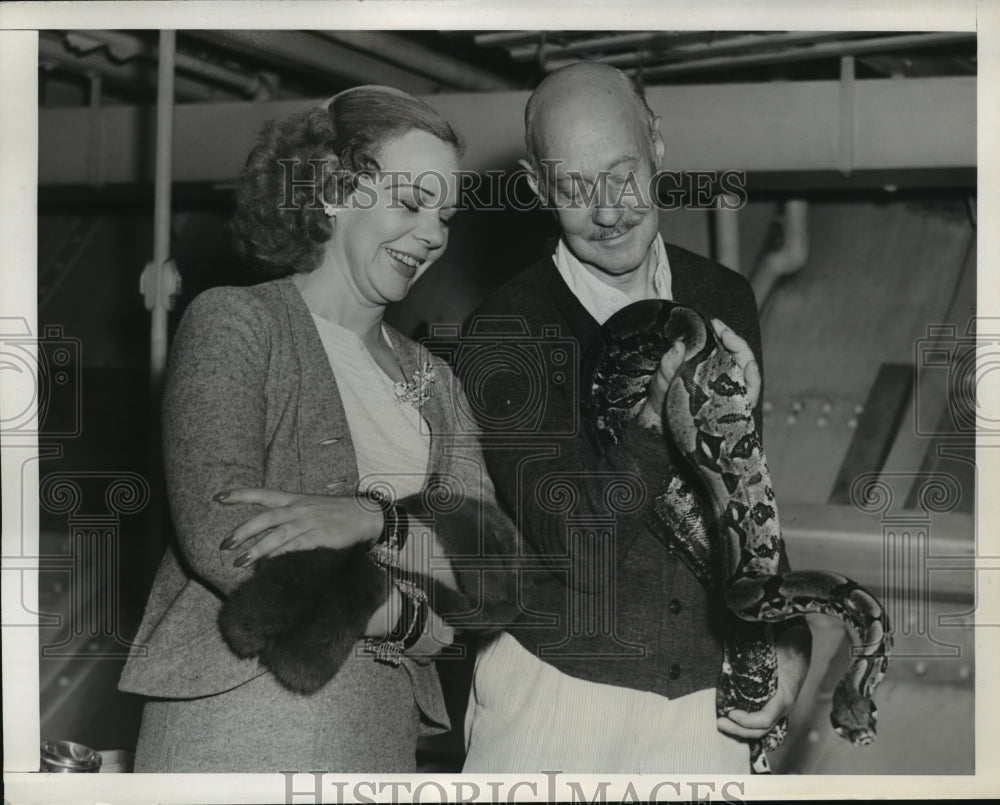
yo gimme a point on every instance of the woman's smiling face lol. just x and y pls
(395, 225)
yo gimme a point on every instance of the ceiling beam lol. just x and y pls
(316, 56)
(414, 56)
(123, 47)
(782, 127)
(135, 74)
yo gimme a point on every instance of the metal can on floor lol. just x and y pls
(67, 756)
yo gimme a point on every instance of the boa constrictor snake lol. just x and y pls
(734, 553)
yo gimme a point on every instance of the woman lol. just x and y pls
(289, 636)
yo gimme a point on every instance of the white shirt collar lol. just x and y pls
(599, 298)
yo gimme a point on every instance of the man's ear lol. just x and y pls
(529, 171)
(658, 147)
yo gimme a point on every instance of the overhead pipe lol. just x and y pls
(826, 50)
(255, 86)
(126, 46)
(847, 114)
(704, 50)
(506, 38)
(319, 56)
(612, 42)
(727, 231)
(95, 160)
(788, 258)
(416, 57)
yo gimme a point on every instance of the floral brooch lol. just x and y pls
(419, 388)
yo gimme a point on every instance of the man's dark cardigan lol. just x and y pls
(620, 611)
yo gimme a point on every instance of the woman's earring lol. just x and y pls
(329, 209)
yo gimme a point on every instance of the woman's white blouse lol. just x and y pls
(391, 438)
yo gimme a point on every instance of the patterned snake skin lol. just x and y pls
(735, 553)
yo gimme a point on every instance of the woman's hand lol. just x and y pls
(294, 522)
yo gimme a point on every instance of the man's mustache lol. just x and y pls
(618, 230)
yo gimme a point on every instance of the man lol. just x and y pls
(613, 663)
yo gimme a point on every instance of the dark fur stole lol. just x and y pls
(302, 612)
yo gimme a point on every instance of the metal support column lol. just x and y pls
(160, 284)
(160, 281)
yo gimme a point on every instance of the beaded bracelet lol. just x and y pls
(395, 529)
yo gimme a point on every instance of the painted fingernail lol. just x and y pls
(220, 497)
(243, 559)
(228, 542)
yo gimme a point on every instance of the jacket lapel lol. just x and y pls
(327, 461)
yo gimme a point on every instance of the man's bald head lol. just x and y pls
(578, 91)
(595, 148)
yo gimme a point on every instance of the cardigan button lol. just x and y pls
(675, 606)
(674, 671)
(331, 440)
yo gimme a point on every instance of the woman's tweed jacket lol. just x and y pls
(251, 401)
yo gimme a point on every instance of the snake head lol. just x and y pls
(853, 716)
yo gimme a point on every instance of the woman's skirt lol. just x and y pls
(365, 719)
